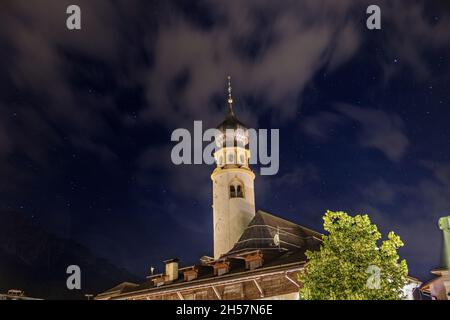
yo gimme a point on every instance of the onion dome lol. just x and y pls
(231, 130)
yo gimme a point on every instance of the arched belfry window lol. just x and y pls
(239, 192)
(237, 189)
(232, 191)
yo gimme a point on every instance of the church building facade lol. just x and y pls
(257, 255)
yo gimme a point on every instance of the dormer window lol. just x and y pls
(253, 261)
(190, 273)
(221, 267)
(158, 280)
(221, 271)
(254, 264)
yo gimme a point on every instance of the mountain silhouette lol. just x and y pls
(35, 261)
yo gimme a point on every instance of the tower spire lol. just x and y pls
(230, 97)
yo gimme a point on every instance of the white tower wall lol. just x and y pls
(231, 215)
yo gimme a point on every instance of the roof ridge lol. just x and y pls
(262, 213)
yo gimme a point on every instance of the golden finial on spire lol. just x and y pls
(230, 98)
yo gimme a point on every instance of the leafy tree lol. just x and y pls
(351, 265)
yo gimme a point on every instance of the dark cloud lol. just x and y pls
(181, 178)
(414, 33)
(380, 192)
(278, 70)
(297, 178)
(294, 48)
(293, 41)
(412, 210)
(320, 126)
(379, 129)
(138, 69)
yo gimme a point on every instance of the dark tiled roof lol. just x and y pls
(260, 233)
(122, 287)
(231, 122)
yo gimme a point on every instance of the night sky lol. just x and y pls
(86, 117)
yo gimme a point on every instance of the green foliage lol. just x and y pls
(340, 269)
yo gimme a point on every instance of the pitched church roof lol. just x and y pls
(262, 231)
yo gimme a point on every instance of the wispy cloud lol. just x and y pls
(376, 128)
(412, 209)
(289, 48)
(379, 129)
(273, 50)
(319, 126)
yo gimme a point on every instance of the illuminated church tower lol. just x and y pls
(233, 182)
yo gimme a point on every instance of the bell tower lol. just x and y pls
(233, 182)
